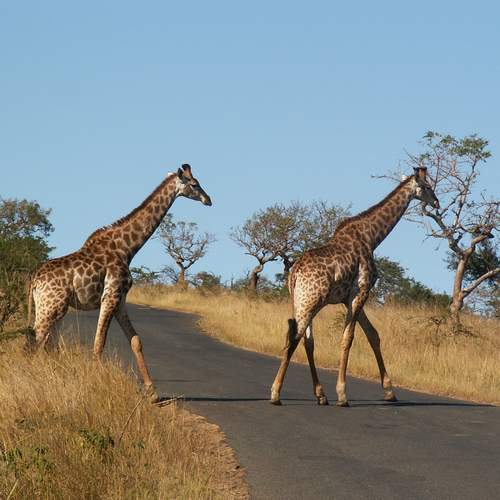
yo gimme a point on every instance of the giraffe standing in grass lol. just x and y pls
(343, 271)
(98, 276)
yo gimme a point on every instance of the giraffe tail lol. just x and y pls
(29, 331)
(30, 303)
(292, 332)
(292, 278)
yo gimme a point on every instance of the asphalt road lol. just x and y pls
(423, 447)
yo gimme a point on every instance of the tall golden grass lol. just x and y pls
(75, 427)
(417, 342)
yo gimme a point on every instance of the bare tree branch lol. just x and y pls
(490, 274)
(466, 218)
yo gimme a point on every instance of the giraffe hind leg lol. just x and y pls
(296, 330)
(47, 320)
(54, 336)
(292, 340)
(309, 347)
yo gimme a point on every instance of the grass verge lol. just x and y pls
(75, 427)
(419, 350)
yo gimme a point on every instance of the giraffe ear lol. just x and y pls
(187, 170)
(420, 173)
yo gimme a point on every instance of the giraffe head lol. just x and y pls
(423, 190)
(190, 187)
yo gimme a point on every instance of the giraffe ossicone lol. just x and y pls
(343, 272)
(98, 277)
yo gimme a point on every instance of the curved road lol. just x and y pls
(424, 447)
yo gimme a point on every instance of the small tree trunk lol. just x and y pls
(457, 301)
(455, 308)
(254, 277)
(181, 280)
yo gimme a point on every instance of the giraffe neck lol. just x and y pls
(389, 213)
(378, 221)
(127, 235)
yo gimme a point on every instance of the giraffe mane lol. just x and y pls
(103, 229)
(375, 207)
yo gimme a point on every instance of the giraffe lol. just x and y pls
(343, 271)
(98, 277)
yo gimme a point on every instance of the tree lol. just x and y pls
(257, 238)
(481, 263)
(142, 275)
(391, 276)
(184, 244)
(285, 232)
(314, 227)
(24, 229)
(206, 280)
(394, 285)
(466, 217)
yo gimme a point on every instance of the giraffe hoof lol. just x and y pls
(154, 398)
(323, 401)
(391, 398)
(151, 394)
(343, 404)
(276, 402)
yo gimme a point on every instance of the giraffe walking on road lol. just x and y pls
(343, 271)
(98, 275)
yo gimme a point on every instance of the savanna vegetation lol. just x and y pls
(75, 427)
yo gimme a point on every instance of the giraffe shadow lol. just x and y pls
(216, 399)
(402, 403)
(355, 403)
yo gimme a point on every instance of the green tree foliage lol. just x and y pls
(24, 229)
(206, 280)
(143, 275)
(393, 285)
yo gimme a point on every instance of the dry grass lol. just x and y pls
(74, 427)
(418, 349)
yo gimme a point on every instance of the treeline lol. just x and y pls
(393, 284)
(467, 223)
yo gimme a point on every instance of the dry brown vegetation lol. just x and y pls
(419, 347)
(75, 427)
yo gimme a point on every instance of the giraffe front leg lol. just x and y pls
(353, 308)
(345, 347)
(123, 319)
(109, 303)
(374, 340)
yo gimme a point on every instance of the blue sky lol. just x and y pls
(268, 101)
